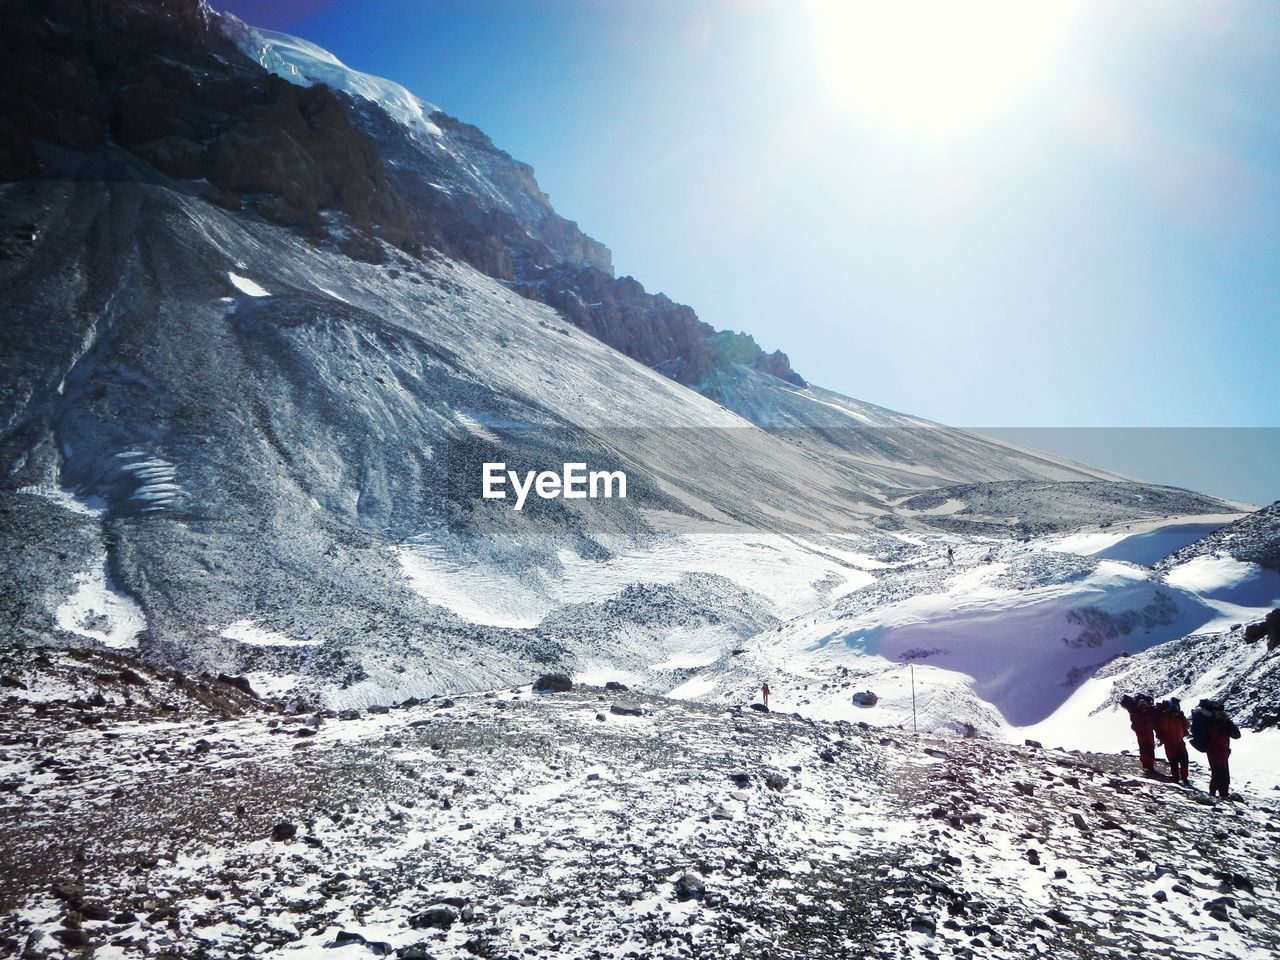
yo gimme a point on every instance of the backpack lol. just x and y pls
(1139, 705)
(1201, 717)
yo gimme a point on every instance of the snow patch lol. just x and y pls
(306, 64)
(249, 632)
(156, 479)
(97, 611)
(247, 286)
(85, 506)
(1225, 578)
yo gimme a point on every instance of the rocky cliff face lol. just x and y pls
(652, 328)
(273, 128)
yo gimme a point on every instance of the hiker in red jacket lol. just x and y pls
(1172, 726)
(1141, 719)
(1222, 730)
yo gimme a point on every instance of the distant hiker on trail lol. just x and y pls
(951, 557)
(764, 692)
(1212, 731)
(1141, 720)
(1172, 727)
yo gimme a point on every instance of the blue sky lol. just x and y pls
(1010, 220)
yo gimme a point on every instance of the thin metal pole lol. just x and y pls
(914, 731)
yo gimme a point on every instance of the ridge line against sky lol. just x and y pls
(1080, 234)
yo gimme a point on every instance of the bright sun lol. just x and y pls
(935, 68)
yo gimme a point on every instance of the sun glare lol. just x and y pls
(935, 68)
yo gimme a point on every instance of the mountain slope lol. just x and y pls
(260, 338)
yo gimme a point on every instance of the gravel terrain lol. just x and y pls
(152, 817)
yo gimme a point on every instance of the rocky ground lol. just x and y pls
(149, 814)
(1254, 538)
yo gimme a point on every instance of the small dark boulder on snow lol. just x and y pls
(740, 779)
(240, 683)
(690, 887)
(71, 937)
(12, 682)
(379, 709)
(553, 683)
(439, 917)
(1034, 744)
(72, 893)
(865, 698)
(284, 831)
(924, 924)
(618, 710)
(776, 781)
(345, 937)
(615, 685)
(759, 706)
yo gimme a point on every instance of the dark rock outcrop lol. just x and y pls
(553, 683)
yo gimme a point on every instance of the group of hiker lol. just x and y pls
(1209, 728)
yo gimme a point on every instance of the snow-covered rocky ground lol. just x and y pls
(150, 814)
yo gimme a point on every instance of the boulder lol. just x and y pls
(865, 698)
(615, 685)
(690, 886)
(240, 683)
(553, 683)
(620, 711)
(438, 917)
(71, 937)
